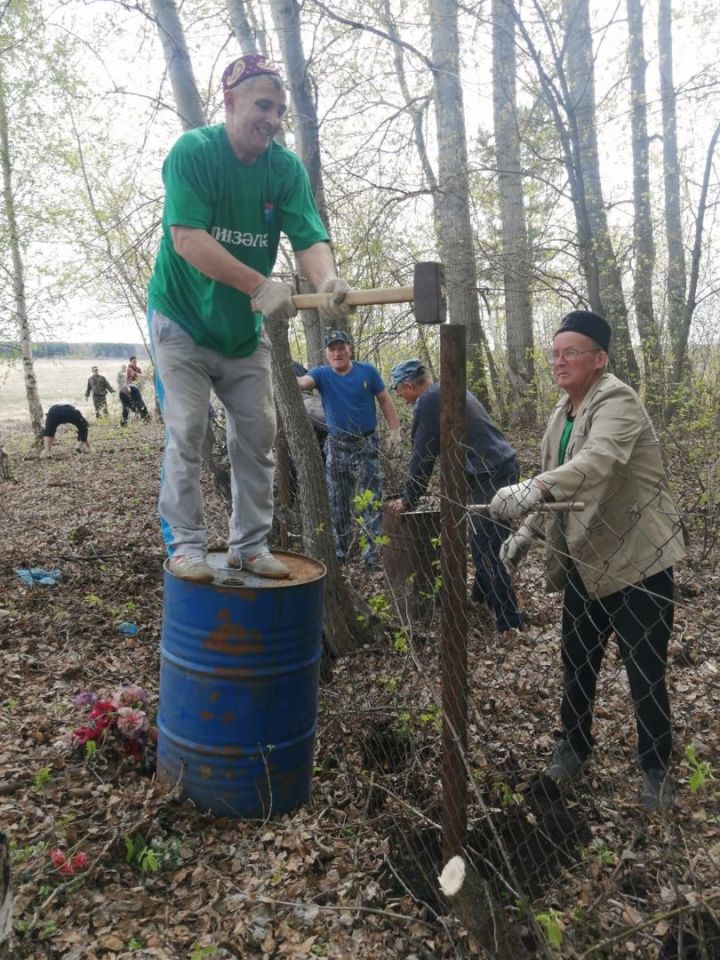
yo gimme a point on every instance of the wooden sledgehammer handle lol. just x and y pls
(356, 298)
(571, 506)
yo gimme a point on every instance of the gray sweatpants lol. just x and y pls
(244, 386)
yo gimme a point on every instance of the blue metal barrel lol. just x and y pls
(240, 661)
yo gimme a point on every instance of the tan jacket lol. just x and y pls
(630, 527)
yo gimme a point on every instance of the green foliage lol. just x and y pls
(400, 641)
(433, 715)
(505, 792)
(700, 770)
(20, 855)
(41, 778)
(159, 854)
(552, 925)
(202, 953)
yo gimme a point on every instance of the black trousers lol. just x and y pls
(641, 617)
(493, 584)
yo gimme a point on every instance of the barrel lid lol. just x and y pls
(303, 570)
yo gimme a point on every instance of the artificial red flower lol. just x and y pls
(101, 708)
(80, 860)
(58, 857)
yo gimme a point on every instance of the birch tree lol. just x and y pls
(22, 320)
(603, 271)
(515, 256)
(456, 240)
(676, 280)
(643, 238)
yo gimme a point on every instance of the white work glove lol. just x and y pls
(513, 502)
(336, 309)
(395, 442)
(513, 550)
(273, 300)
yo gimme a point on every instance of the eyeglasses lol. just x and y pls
(570, 354)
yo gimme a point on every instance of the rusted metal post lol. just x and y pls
(453, 565)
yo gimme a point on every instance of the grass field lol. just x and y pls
(61, 379)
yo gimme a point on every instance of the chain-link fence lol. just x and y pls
(543, 700)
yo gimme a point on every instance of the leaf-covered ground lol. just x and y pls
(353, 874)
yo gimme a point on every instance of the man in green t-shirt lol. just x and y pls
(230, 191)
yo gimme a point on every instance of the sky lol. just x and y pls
(128, 60)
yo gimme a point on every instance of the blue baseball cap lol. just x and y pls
(406, 370)
(336, 335)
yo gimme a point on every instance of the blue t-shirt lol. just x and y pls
(349, 399)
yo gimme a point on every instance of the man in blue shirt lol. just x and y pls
(348, 390)
(489, 460)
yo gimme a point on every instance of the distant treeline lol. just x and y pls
(11, 351)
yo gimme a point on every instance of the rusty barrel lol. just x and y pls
(240, 661)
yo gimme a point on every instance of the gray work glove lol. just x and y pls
(336, 309)
(513, 502)
(273, 300)
(395, 442)
(513, 550)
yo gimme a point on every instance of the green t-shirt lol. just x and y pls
(245, 207)
(565, 439)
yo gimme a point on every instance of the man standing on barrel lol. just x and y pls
(614, 559)
(229, 192)
(489, 461)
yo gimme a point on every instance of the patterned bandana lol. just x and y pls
(252, 65)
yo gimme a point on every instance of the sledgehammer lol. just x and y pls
(427, 293)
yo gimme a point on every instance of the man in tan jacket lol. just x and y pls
(614, 559)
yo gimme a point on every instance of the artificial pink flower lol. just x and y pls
(130, 721)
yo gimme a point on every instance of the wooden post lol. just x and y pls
(453, 565)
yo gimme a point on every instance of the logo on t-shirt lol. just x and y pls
(237, 238)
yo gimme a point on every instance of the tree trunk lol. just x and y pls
(5, 471)
(457, 248)
(18, 274)
(187, 99)
(676, 275)
(643, 239)
(696, 255)
(347, 618)
(515, 250)
(245, 32)
(286, 17)
(581, 113)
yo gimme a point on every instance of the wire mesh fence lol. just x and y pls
(560, 659)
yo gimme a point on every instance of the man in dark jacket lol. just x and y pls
(490, 463)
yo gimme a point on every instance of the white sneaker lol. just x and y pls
(263, 564)
(191, 568)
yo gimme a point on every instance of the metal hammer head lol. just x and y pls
(429, 292)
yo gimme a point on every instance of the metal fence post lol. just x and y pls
(453, 564)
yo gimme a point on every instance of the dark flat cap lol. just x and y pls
(590, 324)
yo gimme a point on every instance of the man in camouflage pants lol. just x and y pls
(99, 387)
(349, 389)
